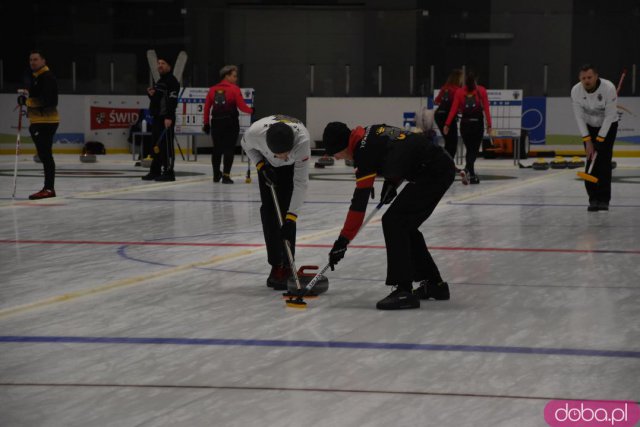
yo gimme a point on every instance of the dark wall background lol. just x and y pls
(276, 42)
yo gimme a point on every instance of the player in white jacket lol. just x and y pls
(280, 147)
(595, 107)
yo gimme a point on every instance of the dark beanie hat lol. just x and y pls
(164, 57)
(279, 138)
(335, 137)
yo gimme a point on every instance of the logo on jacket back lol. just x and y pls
(219, 101)
(445, 101)
(393, 133)
(471, 104)
(286, 119)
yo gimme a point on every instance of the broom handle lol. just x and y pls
(593, 160)
(318, 275)
(287, 246)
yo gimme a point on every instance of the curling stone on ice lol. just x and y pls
(540, 165)
(88, 158)
(326, 161)
(575, 162)
(36, 158)
(305, 275)
(558, 162)
(146, 162)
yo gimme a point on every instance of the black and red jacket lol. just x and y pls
(387, 151)
(444, 100)
(223, 100)
(470, 104)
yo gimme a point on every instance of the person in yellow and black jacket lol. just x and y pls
(396, 155)
(41, 100)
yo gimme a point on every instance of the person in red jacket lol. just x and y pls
(472, 103)
(221, 119)
(444, 101)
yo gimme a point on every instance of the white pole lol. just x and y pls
(506, 76)
(73, 76)
(410, 79)
(111, 72)
(347, 79)
(432, 77)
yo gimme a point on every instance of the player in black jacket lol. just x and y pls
(397, 156)
(164, 100)
(41, 100)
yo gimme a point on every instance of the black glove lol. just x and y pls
(22, 100)
(288, 230)
(388, 192)
(267, 172)
(206, 128)
(338, 250)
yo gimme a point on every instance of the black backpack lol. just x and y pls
(220, 103)
(472, 105)
(445, 100)
(93, 147)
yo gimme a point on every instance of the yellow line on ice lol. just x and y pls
(132, 281)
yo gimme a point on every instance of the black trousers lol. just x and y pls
(42, 135)
(163, 152)
(276, 254)
(408, 258)
(224, 135)
(472, 131)
(450, 139)
(601, 191)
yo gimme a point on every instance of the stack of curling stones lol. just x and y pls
(324, 161)
(305, 276)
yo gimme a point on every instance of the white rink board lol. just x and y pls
(190, 110)
(505, 107)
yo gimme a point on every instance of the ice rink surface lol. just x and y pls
(127, 303)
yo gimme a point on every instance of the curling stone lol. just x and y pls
(326, 161)
(146, 162)
(614, 164)
(540, 165)
(575, 162)
(88, 158)
(318, 165)
(305, 276)
(348, 162)
(36, 158)
(558, 162)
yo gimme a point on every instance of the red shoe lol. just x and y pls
(464, 176)
(45, 193)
